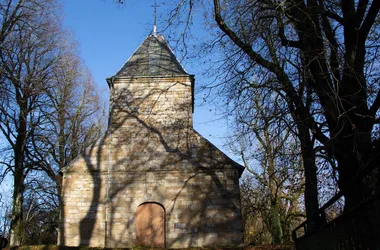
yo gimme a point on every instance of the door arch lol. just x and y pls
(150, 225)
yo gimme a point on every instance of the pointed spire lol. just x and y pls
(152, 58)
(155, 17)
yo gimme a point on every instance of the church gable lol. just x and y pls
(151, 150)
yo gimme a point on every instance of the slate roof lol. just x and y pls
(152, 58)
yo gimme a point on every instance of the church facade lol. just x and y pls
(151, 180)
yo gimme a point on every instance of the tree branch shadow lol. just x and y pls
(154, 157)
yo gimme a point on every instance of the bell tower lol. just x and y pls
(152, 88)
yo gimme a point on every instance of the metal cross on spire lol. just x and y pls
(155, 17)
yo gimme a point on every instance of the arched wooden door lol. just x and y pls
(150, 225)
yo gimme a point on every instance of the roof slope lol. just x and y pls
(152, 58)
(156, 154)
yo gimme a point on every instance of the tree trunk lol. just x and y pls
(16, 224)
(311, 181)
(19, 174)
(287, 233)
(17, 229)
(353, 154)
(276, 228)
(62, 161)
(61, 226)
(354, 190)
(275, 220)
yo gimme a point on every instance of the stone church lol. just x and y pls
(151, 180)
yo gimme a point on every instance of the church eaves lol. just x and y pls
(152, 58)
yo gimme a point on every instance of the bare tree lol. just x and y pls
(74, 118)
(50, 110)
(333, 70)
(41, 213)
(28, 54)
(5, 209)
(12, 14)
(263, 132)
(73, 115)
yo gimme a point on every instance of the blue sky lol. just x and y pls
(108, 34)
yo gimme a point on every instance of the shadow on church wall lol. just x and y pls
(154, 156)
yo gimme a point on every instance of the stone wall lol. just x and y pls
(83, 213)
(162, 102)
(196, 212)
(151, 154)
(202, 206)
